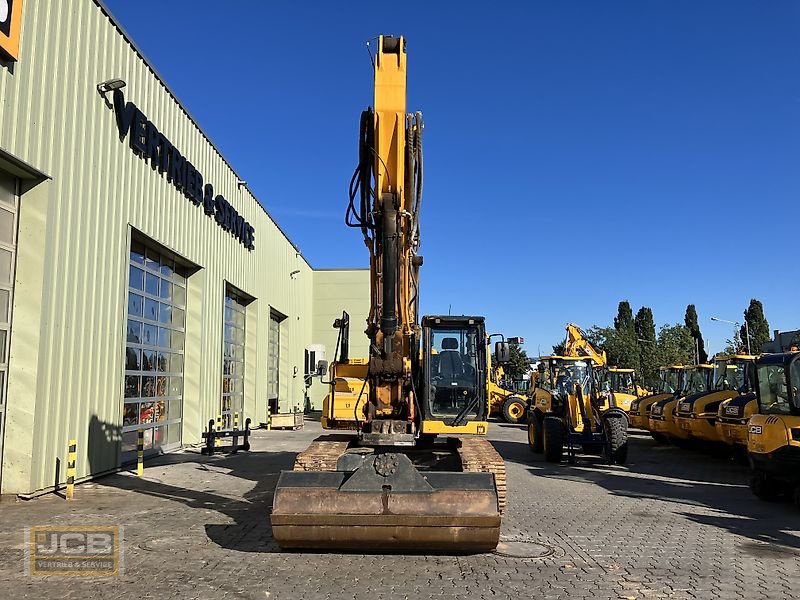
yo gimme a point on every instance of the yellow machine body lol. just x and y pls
(697, 380)
(773, 440)
(697, 415)
(347, 393)
(504, 402)
(669, 383)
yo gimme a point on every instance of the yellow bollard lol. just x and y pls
(269, 418)
(72, 452)
(218, 441)
(140, 453)
(236, 421)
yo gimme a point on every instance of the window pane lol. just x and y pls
(132, 386)
(134, 305)
(151, 284)
(151, 309)
(5, 266)
(133, 359)
(163, 362)
(175, 386)
(173, 430)
(163, 337)
(166, 267)
(166, 289)
(176, 363)
(137, 252)
(159, 411)
(136, 278)
(134, 332)
(177, 340)
(130, 416)
(151, 261)
(178, 316)
(148, 387)
(6, 227)
(150, 335)
(3, 335)
(165, 314)
(179, 295)
(146, 414)
(161, 386)
(148, 360)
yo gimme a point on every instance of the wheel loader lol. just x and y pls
(773, 438)
(697, 415)
(620, 388)
(670, 381)
(734, 413)
(575, 422)
(417, 474)
(697, 380)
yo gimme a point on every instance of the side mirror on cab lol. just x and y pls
(502, 352)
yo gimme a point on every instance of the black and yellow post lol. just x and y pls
(140, 453)
(218, 441)
(269, 417)
(72, 452)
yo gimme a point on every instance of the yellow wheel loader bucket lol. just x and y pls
(381, 502)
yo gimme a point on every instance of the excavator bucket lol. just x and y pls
(386, 504)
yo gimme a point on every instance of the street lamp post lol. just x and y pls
(746, 329)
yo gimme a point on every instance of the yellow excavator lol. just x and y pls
(773, 439)
(418, 474)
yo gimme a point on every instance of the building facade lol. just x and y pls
(142, 285)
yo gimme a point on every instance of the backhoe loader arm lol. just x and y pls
(576, 344)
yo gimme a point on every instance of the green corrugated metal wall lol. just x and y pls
(67, 340)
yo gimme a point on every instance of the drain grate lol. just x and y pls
(523, 549)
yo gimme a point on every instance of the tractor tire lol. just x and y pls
(535, 442)
(616, 430)
(764, 487)
(514, 410)
(553, 439)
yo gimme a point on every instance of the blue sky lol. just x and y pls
(576, 153)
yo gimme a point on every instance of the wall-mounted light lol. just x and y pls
(240, 183)
(294, 273)
(109, 86)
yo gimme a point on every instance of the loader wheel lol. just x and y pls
(553, 442)
(535, 433)
(764, 487)
(513, 409)
(616, 430)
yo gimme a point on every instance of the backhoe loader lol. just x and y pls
(576, 422)
(697, 380)
(504, 399)
(397, 483)
(773, 438)
(697, 415)
(669, 383)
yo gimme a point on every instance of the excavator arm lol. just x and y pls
(576, 344)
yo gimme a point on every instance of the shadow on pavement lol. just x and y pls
(250, 530)
(680, 476)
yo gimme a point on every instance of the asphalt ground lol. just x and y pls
(672, 523)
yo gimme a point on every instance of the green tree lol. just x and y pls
(758, 326)
(624, 319)
(690, 319)
(559, 349)
(620, 345)
(675, 345)
(519, 363)
(645, 328)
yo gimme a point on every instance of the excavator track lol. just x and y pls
(323, 453)
(479, 456)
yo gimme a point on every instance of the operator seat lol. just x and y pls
(450, 364)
